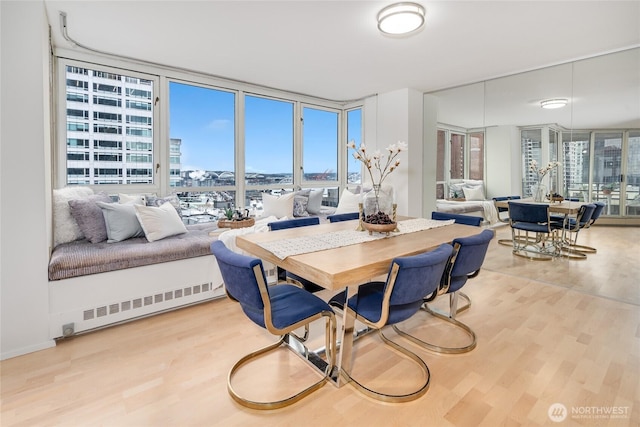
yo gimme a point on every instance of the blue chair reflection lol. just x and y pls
(458, 218)
(570, 227)
(532, 233)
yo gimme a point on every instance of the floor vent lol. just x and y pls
(146, 301)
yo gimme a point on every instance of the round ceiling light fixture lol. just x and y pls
(401, 18)
(554, 103)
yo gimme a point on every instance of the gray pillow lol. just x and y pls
(121, 221)
(89, 216)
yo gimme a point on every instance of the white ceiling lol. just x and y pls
(333, 49)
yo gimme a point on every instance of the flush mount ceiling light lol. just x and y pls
(554, 103)
(401, 18)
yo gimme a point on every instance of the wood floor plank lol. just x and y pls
(553, 332)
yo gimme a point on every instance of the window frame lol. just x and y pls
(160, 76)
(60, 149)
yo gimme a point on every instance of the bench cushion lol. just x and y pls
(82, 257)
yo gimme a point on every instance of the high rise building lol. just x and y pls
(109, 128)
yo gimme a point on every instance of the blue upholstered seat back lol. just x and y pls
(343, 217)
(291, 223)
(501, 199)
(458, 218)
(528, 212)
(470, 257)
(584, 215)
(585, 218)
(240, 280)
(418, 276)
(598, 211)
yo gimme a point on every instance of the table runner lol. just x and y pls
(305, 244)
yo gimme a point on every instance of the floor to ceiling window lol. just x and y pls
(463, 153)
(632, 176)
(601, 166)
(219, 147)
(575, 166)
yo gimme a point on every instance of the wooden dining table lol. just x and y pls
(564, 207)
(345, 268)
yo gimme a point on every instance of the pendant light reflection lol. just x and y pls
(550, 104)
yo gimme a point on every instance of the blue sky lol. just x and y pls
(204, 120)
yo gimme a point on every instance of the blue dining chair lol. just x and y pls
(570, 227)
(526, 218)
(594, 217)
(465, 263)
(504, 219)
(343, 217)
(458, 218)
(379, 304)
(286, 275)
(280, 310)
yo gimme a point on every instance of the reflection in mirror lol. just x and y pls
(603, 96)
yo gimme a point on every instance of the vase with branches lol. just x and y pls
(539, 190)
(379, 166)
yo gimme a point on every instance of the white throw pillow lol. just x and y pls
(159, 222)
(65, 227)
(121, 221)
(278, 206)
(315, 201)
(348, 202)
(473, 193)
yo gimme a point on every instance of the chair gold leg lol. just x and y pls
(330, 348)
(394, 398)
(583, 249)
(538, 248)
(439, 348)
(467, 305)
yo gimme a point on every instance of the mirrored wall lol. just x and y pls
(595, 136)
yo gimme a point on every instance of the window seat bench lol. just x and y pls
(93, 285)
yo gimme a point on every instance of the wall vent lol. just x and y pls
(135, 303)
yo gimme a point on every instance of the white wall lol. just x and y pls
(398, 116)
(24, 178)
(503, 161)
(430, 154)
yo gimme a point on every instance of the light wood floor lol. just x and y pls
(548, 332)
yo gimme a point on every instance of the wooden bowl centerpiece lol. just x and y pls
(555, 198)
(379, 223)
(379, 228)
